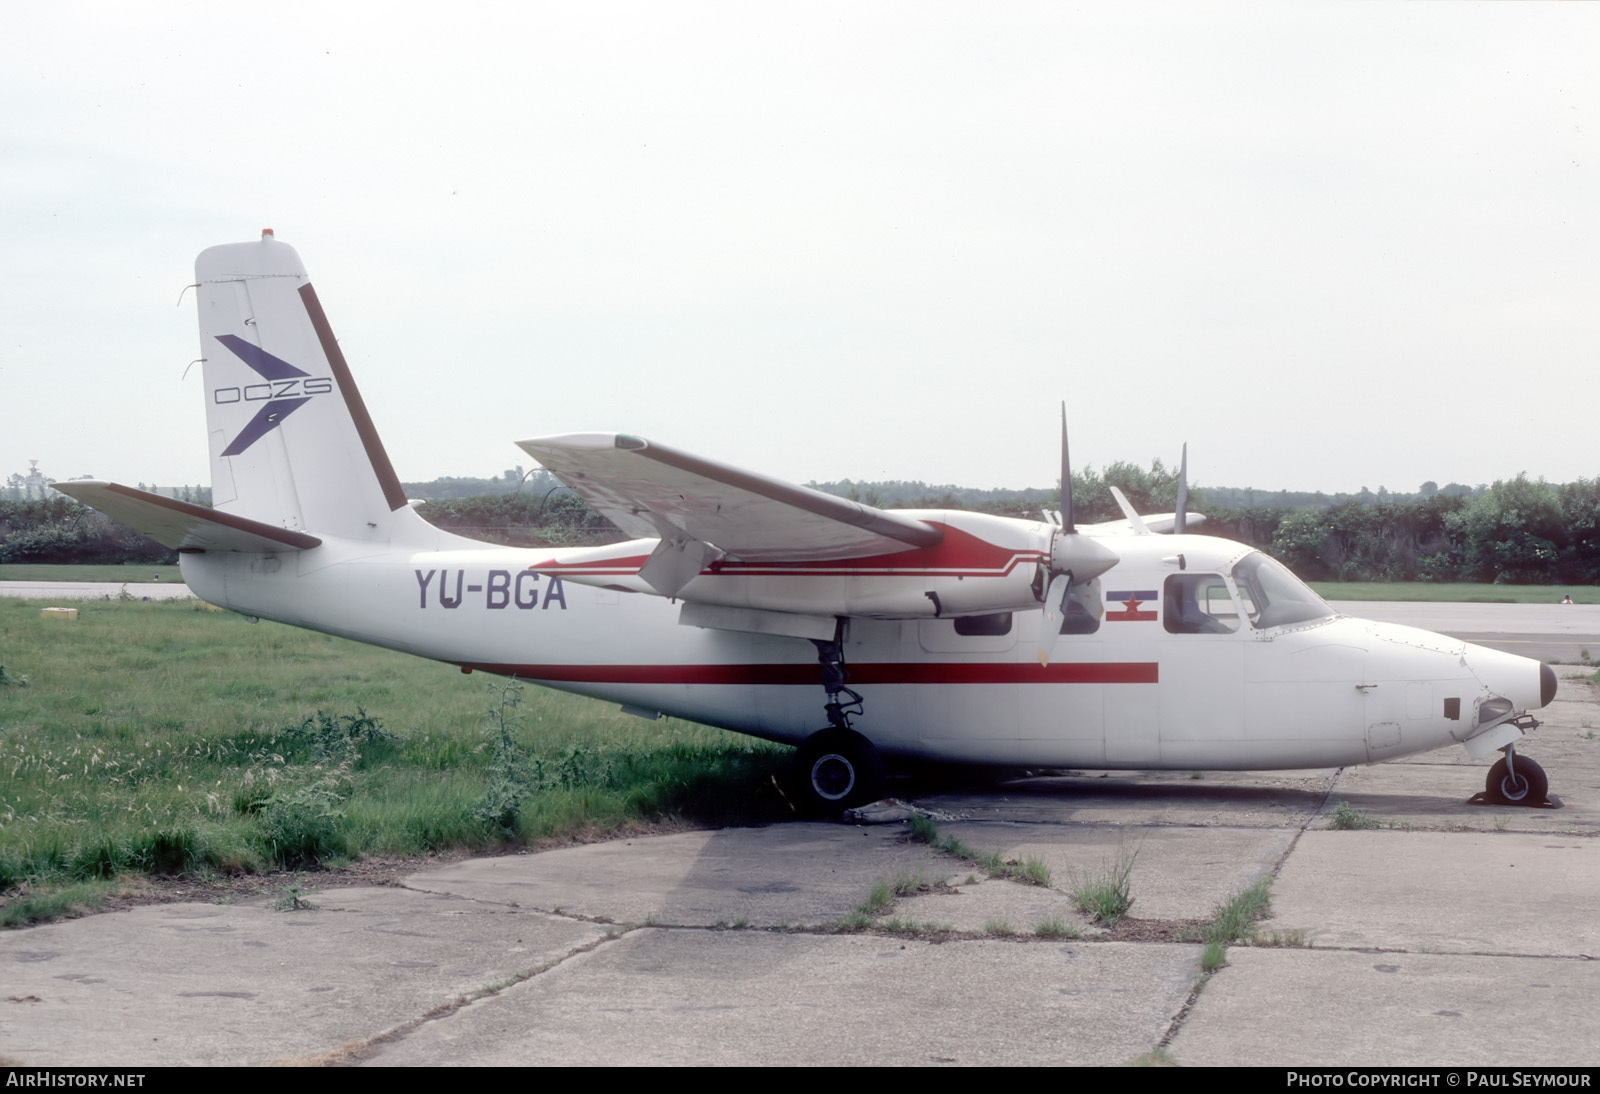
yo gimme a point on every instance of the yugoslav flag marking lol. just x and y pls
(1130, 601)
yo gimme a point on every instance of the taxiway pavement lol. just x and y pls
(94, 590)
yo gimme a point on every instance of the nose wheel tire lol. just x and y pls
(837, 769)
(1528, 785)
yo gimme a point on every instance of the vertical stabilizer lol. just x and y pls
(291, 442)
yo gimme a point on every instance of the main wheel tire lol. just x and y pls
(836, 769)
(1528, 786)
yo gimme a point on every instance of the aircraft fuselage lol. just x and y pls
(1137, 691)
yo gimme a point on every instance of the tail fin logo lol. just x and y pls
(286, 390)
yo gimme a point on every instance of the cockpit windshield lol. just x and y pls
(1273, 596)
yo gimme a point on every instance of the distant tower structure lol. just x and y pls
(33, 481)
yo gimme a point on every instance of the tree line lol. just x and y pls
(61, 531)
(1516, 531)
(1520, 530)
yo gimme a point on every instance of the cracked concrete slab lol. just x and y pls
(1176, 873)
(995, 907)
(1265, 799)
(1458, 892)
(801, 874)
(1271, 1007)
(203, 984)
(676, 997)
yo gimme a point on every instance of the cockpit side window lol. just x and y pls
(1273, 596)
(1198, 604)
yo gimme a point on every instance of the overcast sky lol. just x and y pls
(1329, 245)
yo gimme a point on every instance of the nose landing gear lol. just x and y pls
(1516, 780)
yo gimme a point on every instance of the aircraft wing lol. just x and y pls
(181, 525)
(651, 490)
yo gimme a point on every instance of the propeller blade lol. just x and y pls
(1073, 558)
(1181, 518)
(1135, 521)
(1068, 521)
(1055, 610)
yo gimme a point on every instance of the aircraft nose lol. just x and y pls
(1547, 684)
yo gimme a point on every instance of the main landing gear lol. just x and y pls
(837, 768)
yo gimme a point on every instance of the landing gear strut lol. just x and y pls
(831, 656)
(837, 768)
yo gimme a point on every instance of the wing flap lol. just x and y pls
(182, 525)
(656, 491)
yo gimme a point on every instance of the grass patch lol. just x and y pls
(1057, 928)
(878, 899)
(881, 897)
(911, 926)
(293, 899)
(1232, 921)
(1295, 937)
(160, 738)
(1234, 918)
(1454, 592)
(884, 891)
(1347, 818)
(1033, 870)
(28, 905)
(1106, 894)
(923, 830)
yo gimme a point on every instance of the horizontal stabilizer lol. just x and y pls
(182, 525)
(1164, 522)
(651, 490)
(1157, 522)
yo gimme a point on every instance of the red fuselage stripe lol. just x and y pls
(1107, 672)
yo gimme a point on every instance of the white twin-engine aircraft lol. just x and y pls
(774, 610)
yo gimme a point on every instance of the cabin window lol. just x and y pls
(987, 626)
(1198, 604)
